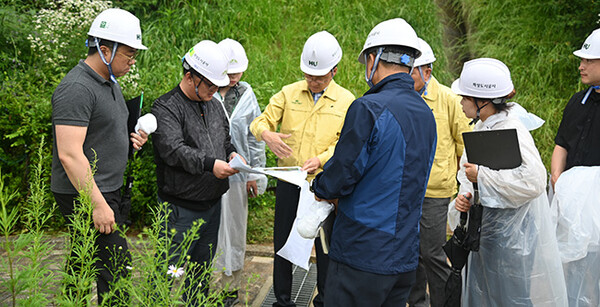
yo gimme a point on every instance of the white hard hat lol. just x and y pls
(119, 26)
(591, 47)
(392, 32)
(238, 62)
(320, 54)
(207, 59)
(427, 56)
(483, 78)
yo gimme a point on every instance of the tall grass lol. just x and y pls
(273, 34)
(536, 40)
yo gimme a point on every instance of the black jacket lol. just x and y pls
(190, 136)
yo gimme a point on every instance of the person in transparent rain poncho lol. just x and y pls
(518, 262)
(575, 177)
(240, 105)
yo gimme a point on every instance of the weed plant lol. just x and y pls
(27, 272)
(155, 279)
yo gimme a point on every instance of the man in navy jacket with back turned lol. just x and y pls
(379, 173)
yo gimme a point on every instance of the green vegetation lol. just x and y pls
(534, 38)
(30, 280)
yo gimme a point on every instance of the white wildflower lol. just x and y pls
(175, 271)
(63, 27)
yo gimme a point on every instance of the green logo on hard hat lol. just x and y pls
(191, 52)
(138, 37)
(313, 63)
(586, 46)
(233, 61)
(103, 25)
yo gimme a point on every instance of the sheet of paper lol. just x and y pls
(291, 174)
(238, 164)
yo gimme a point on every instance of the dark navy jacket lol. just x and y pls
(379, 172)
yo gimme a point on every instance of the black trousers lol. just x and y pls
(349, 287)
(112, 252)
(286, 205)
(201, 251)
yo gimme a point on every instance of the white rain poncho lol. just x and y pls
(576, 214)
(517, 263)
(231, 245)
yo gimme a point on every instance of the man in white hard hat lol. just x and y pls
(378, 176)
(192, 148)
(89, 119)
(578, 144)
(241, 107)
(451, 122)
(311, 113)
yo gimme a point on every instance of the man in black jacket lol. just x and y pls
(191, 146)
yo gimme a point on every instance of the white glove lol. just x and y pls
(146, 123)
(309, 224)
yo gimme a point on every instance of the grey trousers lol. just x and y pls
(433, 268)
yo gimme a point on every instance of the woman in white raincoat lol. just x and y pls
(517, 263)
(240, 105)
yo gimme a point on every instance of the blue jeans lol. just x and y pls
(201, 250)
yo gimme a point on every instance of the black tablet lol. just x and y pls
(496, 149)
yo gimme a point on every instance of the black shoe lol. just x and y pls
(231, 298)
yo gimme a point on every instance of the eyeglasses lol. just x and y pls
(318, 80)
(211, 86)
(129, 58)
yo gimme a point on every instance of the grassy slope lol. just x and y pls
(273, 33)
(536, 40)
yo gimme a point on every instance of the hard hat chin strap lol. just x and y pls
(196, 89)
(476, 119)
(112, 56)
(589, 91)
(369, 79)
(424, 89)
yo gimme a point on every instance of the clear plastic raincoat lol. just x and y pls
(517, 263)
(231, 245)
(576, 214)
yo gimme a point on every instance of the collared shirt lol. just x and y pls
(318, 95)
(85, 99)
(451, 122)
(579, 131)
(314, 127)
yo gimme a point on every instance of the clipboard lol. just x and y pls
(496, 149)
